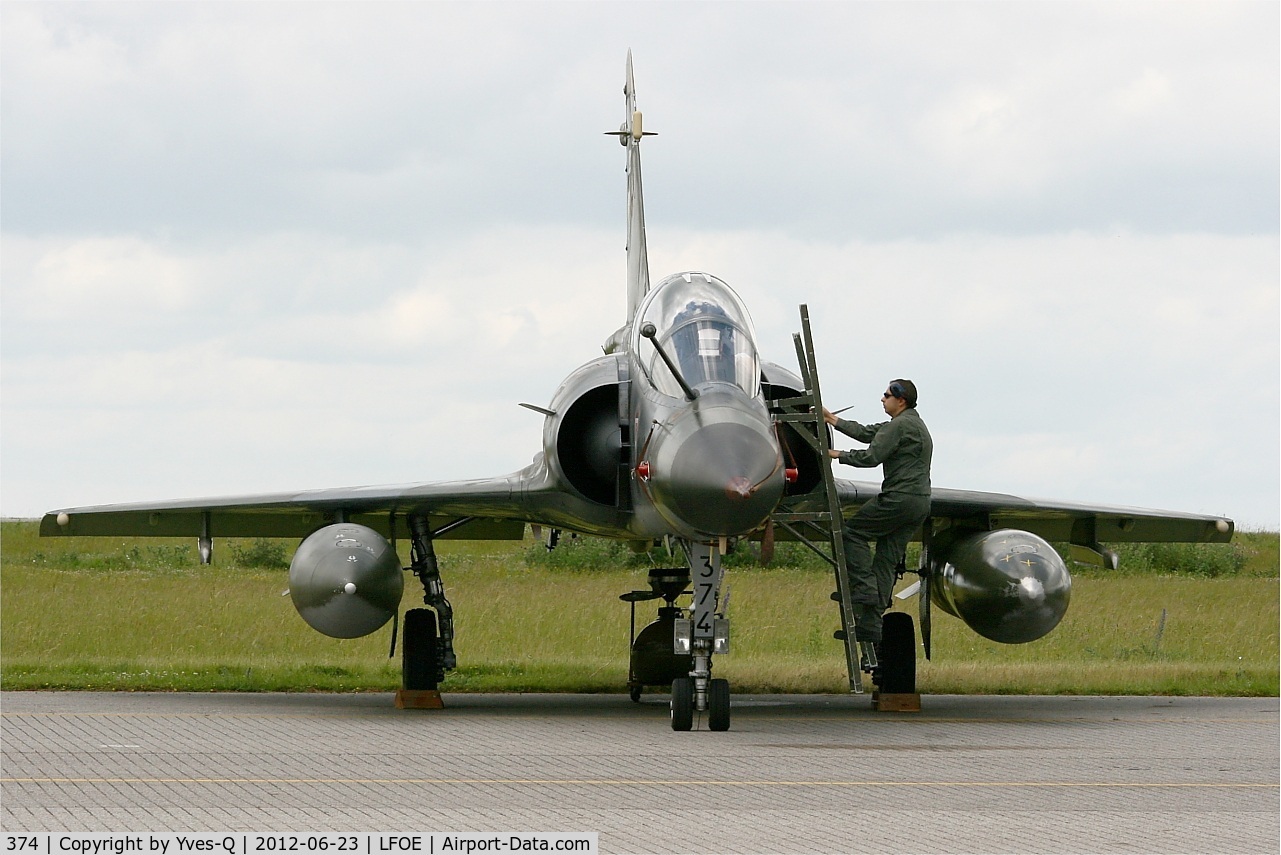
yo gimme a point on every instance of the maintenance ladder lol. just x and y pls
(800, 518)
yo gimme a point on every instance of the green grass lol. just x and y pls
(109, 613)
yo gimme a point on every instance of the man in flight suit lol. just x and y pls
(903, 446)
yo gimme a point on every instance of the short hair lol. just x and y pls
(904, 389)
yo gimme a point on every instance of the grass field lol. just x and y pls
(103, 613)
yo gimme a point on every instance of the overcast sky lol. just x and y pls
(251, 247)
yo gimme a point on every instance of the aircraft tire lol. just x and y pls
(634, 692)
(718, 705)
(420, 670)
(898, 654)
(682, 703)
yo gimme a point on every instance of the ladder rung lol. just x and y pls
(803, 401)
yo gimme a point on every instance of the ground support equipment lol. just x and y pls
(819, 527)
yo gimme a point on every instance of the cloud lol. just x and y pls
(1126, 362)
(429, 118)
(1081, 367)
(266, 246)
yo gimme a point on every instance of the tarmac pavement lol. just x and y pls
(815, 773)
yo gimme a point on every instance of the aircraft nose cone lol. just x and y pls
(723, 480)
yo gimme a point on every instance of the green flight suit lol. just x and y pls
(904, 447)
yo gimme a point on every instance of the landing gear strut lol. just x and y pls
(703, 633)
(427, 650)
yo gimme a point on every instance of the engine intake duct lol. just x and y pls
(589, 443)
(796, 451)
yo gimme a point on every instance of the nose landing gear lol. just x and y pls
(677, 648)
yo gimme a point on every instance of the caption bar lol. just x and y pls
(241, 843)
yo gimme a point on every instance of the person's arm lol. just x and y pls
(883, 438)
(861, 432)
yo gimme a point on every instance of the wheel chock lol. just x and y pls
(906, 702)
(418, 699)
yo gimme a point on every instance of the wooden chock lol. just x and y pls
(907, 702)
(419, 699)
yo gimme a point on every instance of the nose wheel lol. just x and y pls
(683, 704)
(718, 705)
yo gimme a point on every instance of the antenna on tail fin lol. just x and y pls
(629, 134)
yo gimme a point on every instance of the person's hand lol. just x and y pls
(829, 416)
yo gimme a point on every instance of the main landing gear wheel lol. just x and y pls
(718, 705)
(420, 668)
(898, 654)
(682, 703)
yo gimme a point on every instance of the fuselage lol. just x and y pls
(707, 466)
(629, 454)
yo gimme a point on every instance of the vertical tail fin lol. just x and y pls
(630, 134)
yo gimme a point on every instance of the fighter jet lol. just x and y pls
(678, 434)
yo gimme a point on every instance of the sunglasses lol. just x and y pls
(896, 391)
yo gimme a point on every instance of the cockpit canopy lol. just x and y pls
(704, 327)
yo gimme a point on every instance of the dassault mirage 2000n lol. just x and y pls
(678, 433)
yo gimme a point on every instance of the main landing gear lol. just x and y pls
(427, 642)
